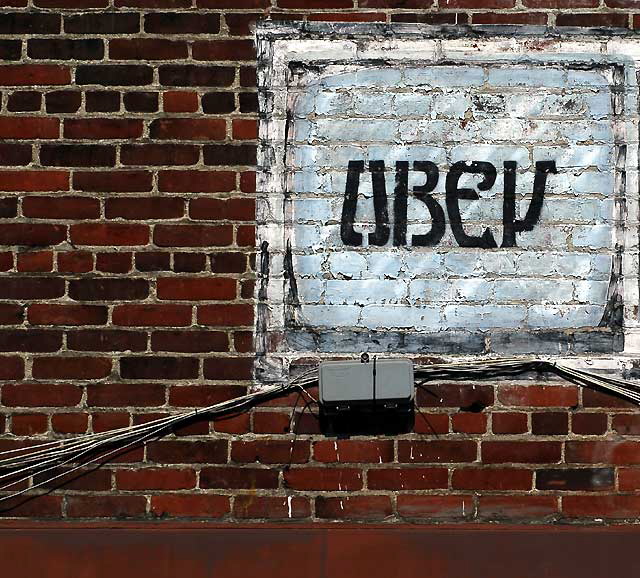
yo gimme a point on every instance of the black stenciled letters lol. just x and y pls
(454, 194)
(381, 235)
(421, 192)
(510, 223)
(347, 233)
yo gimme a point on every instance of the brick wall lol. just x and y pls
(128, 143)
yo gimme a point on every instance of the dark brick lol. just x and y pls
(189, 262)
(248, 102)
(10, 49)
(102, 101)
(218, 102)
(191, 75)
(8, 207)
(105, 289)
(141, 101)
(102, 340)
(159, 154)
(115, 75)
(24, 100)
(584, 479)
(78, 155)
(159, 367)
(12, 154)
(230, 155)
(103, 23)
(550, 423)
(29, 23)
(189, 341)
(65, 49)
(63, 101)
(32, 340)
(182, 23)
(152, 261)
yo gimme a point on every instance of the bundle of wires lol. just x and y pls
(25, 469)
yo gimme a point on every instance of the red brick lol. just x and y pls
(471, 423)
(196, 181)
(589, 423)
(460, 395)
(125, 395)
(239, 424)
(271, 422)
(41, 395)
(248, 182)
(69, 422)
(50, 314)
(621, 3)
(6, 261)
(591, 398)
(159, 367)
(245, 129)
(36, 262)
(225, 315)
(109, 421)
(11, 368)
(224, 50)
(322, 4)
(195, 506)
(43, 507)
(203, 395)
(143, 208)
(629, 479)
(491, 479)
(61, 207)
(228, 368)
(238, 478)
(354, 507)
(486, 4)
(154, 315)
(508, 507)
(349, 16)
(436, 507)
(531, 18)
(71, 367)
(436, 451)
(147, 49)
(243, 341)
(561, 3)
(189, 341)
(159, 154)
(270, 451)
(538, 395)
(272, 507)
(109, 234)
(196, 288)
(34, 74)
(431, 423)
(323, 479)
(32, 340)
(353, 451)
(180, 101)
(114, 262)
(219, 209)
(239, 24)
(106, 506)
(27, 127)
(188, 129)
(509, 423)
(192, 235)
(155, 479)
(601, 506)
(102, 128)
(113, 181)
(246, 236)
(520, 452)
(407, 478)
(32, 181)
(602, 452)
(111, 340)
(32, 234)
(235, 4)
(187, 452)
(28, 424)
(626, 424)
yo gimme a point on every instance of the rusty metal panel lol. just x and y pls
(315, 551)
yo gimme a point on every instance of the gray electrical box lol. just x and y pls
(352, 384)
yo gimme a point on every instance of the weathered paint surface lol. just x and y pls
(437, 195)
